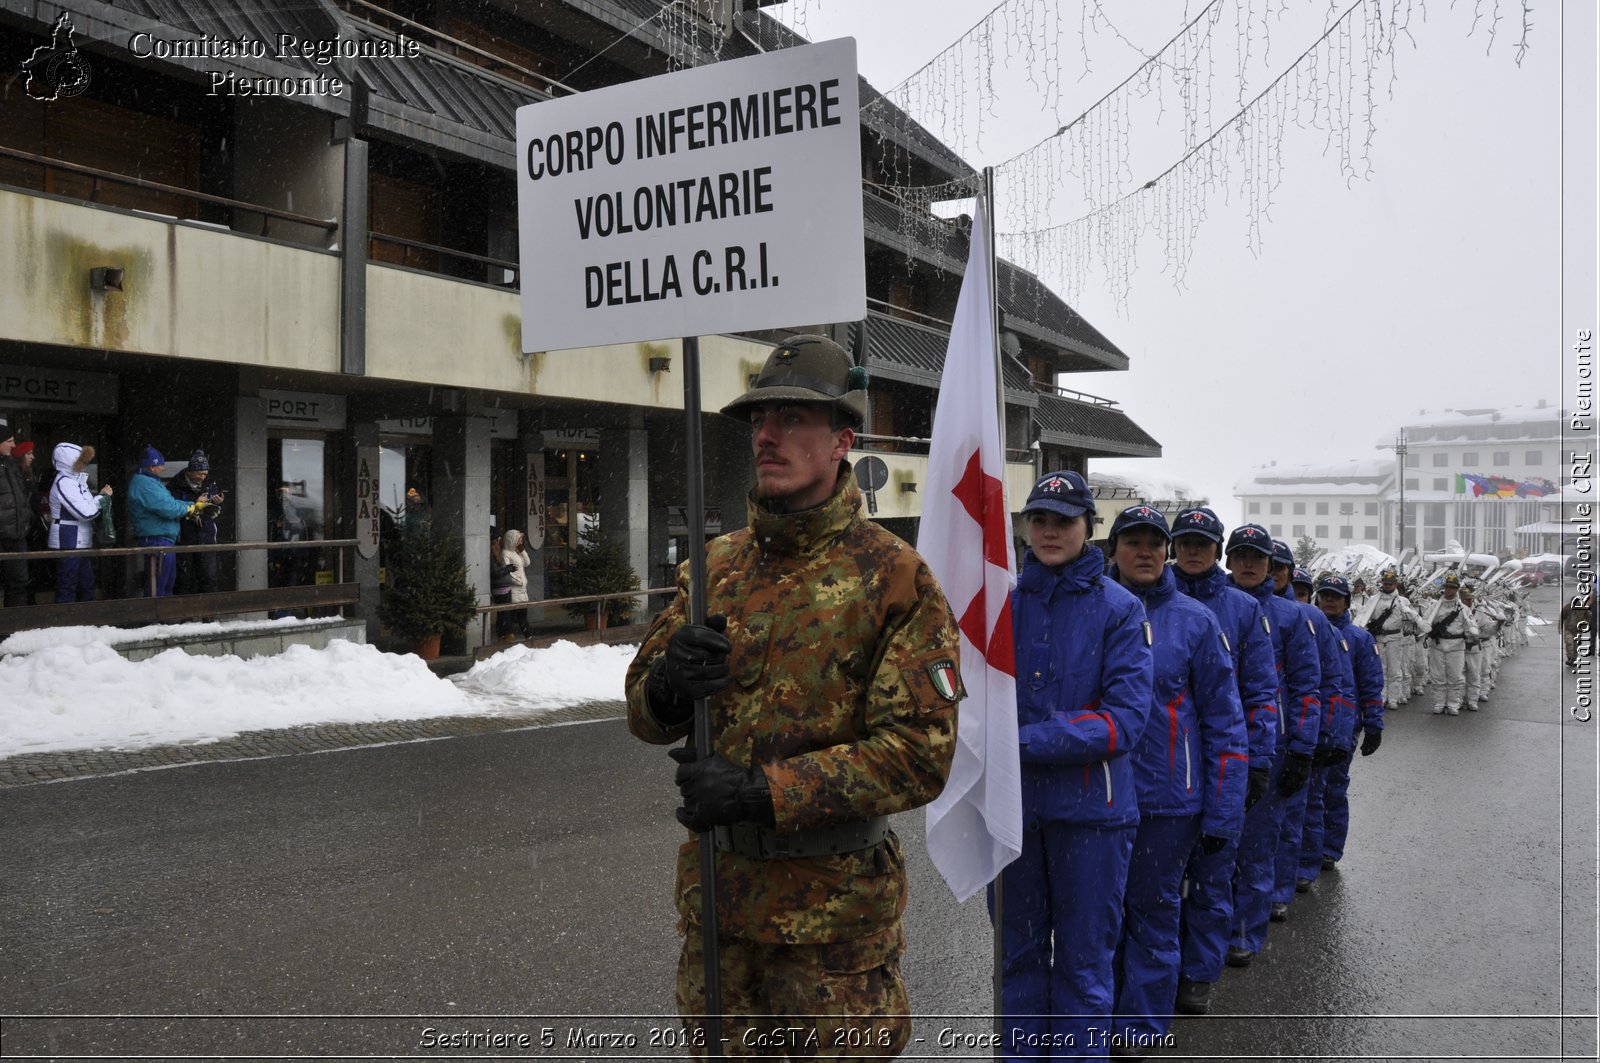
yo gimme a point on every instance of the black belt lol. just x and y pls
(1441, 638)
(760, 842)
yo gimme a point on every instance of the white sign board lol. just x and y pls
(721, 199)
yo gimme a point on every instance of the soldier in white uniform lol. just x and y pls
(1385, 617)
(1449, 625)
(1474, 669)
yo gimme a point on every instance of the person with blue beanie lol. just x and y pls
(1189, 770)
(1084, 682)
(153, 516)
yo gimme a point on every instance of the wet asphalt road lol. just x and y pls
(518, 885)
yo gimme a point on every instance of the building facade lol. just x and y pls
(1487, 478)
(286, 235)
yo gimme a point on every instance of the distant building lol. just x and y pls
(1488, 478)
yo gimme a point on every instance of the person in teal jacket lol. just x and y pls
(153, 516)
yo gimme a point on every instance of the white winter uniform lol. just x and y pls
(1393, 642)
(1453, 622)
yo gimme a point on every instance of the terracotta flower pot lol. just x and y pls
(428, 647)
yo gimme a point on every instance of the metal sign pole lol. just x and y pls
(998, 957)
(696, 521)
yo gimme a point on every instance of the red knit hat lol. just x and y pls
(22, 450)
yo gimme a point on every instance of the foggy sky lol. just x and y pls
(1434, 283)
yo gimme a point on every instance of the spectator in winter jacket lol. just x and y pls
(1197, 538)
(197, 573)
(1189, 769)
(1084, 684)
(16, 518)
(517, 562)
(153, 516)
(73, 510)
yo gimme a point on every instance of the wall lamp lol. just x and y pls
(105, 279)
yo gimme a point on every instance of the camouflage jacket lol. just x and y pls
(843, 648)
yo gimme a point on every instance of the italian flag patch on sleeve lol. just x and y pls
(943, 675)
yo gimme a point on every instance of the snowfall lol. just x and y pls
(68, 688)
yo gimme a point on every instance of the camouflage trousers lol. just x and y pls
(800, 1001)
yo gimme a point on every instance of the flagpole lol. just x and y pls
(1000, 400)
(703, 739)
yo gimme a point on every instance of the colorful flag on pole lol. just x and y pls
(975, 826)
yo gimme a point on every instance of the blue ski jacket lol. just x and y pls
(1249, 636)
(152, 511)
(1338, 727)
(1083, 691)
(1368, 666)
(1196, 731)
(1294, 649)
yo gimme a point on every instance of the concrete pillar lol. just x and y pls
(623, 484)
(362, 570)
(460, 503)
(249, 496)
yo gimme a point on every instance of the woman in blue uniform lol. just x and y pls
(1083, 695)
(1190, 769)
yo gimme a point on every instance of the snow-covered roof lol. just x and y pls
(1357, 476)
(1149, 488)
(1434, 426)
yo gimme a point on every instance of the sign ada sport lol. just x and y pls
(721, 199)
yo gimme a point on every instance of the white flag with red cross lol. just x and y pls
(975, 826)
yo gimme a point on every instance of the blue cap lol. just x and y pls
(1281, 554)
(1300, 575)
(150, 458)
(1250, 537)
(1198, 520)
(1335, 583)
(1065, 493)
(1136, 516)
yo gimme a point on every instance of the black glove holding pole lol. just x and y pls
(1296, 773)
(1370, 741)
(1256, 787)
(716, 792)
(694, 666)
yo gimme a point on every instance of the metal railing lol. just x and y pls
(326, 224)
(181, 607)
(485, 612)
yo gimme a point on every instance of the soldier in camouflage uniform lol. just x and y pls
(831, 660)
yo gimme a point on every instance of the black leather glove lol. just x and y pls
(1256, 788)
(1296, 773)
(1328, 756)
(1210, 844)
(1370, 741)
(697, 659)
(716, 792)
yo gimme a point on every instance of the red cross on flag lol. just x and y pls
(975, 827)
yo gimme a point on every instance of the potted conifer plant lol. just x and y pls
(428, 593)
(600, 565)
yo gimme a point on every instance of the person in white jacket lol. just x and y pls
(1386, 615)
(517, 560)
(1449, 624)
(73, 509)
